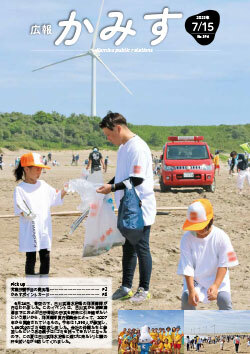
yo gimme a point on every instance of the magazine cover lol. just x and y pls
(124, 176)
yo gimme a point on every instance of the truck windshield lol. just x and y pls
(187, 152)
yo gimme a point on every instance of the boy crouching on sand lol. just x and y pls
(206, 254)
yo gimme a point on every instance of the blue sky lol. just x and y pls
(179, 83)
(202, 322)
(153, 319)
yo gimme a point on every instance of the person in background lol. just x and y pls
(17, 160)
(167, 348)
(95, 160)
(222, 343)
(73, 162)
(197, 345)
(77, 158)
(217, 162)
(49, 157)
(236, 342)
(192, 343)
(200, 342)
(243, 171)
(45, 162)
(1, 161)
(178, 340)
(86, 161)
(125, 347)
(134, 346)
(169, 336)
(233, 155)
(173, 333)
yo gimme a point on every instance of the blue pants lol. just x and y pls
(129, 259)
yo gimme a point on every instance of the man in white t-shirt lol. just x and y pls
(206, 254)
(134, 162)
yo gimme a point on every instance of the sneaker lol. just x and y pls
(140, 295)
(122, 294)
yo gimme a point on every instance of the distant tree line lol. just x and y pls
(55, 131)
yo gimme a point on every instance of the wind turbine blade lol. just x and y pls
(61, 61)
(97, 26)
(100, 60)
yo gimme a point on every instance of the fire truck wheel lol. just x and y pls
(163, 187)
(211, 188)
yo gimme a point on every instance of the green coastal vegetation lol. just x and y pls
(43, 130)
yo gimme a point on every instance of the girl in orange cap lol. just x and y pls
(33, 199)
(206, 254)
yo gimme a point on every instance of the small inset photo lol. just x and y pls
(217, 331)
(144, 332)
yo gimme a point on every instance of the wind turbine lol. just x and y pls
(94, 56)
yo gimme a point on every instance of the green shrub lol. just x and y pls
(55, 131)
(11, 147)
(30, 145)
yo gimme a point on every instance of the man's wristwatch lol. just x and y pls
(112, 187)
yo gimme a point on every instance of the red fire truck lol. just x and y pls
(187, 162)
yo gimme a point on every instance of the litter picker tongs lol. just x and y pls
(30, 212)
(78, 221)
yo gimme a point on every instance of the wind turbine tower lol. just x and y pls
(94, 56)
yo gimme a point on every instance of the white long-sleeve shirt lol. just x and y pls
(36, 234)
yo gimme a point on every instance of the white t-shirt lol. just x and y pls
(36, 234)
(201, 257)
(134, 160)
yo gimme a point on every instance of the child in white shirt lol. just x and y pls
(32, 201)
(206, 254)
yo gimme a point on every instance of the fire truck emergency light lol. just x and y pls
(185, 138)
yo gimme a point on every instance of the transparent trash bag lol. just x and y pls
(96, 177)
(85, 173)
(86, 190)
(101, 233)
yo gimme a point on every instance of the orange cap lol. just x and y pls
(33, 159)
(199, 214)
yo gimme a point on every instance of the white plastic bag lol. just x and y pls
(96, 177)
(101, 233)
(101, 228)
(86, 190)
(85, 173)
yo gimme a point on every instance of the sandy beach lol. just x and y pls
(231, 214)
(229, 348)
